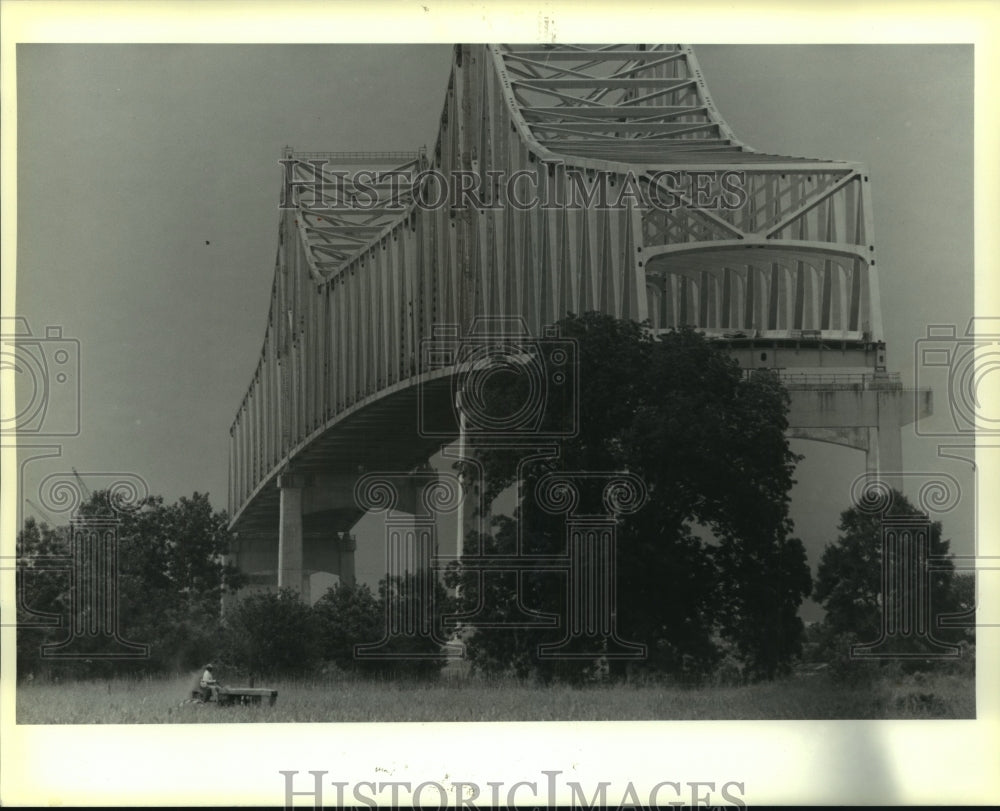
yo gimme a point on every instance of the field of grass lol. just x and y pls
(158, 701)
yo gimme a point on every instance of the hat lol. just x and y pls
(208, 666)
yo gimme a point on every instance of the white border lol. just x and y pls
(779, 762)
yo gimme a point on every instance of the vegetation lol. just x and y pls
(708, 443)
(276, 634)
(348, 699)
(271, 633)
(710, 581)
(849, 586)
(171, 574)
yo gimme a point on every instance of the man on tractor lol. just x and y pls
(209, 686)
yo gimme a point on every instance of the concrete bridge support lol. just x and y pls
(316, 512)
(290, 571)
(867, 416)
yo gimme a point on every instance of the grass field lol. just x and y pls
(157, 701)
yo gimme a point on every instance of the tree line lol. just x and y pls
(710, 574)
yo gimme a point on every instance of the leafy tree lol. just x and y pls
(414, 655)
(964, 595)
(709, 444)
(42, 592)
(173, 574)
(849, 577)
(351, 615)
(518, 598)
(170, 577)
(270, 633)
(344, 617)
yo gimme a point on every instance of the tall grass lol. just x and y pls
(157, 701)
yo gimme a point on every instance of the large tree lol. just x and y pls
(345, 616)
(710, 557)
(351, 615)
(171, 573)
(849, 576)
(269, 633)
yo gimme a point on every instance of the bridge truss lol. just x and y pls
(681, 224)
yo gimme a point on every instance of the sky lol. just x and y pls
(147, 222)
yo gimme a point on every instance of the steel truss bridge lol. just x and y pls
(772, 255)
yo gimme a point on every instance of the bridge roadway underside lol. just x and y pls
(299, 521)
(300, 518)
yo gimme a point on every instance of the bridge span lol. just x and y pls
(564, 179)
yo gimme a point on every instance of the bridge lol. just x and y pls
(563, 179)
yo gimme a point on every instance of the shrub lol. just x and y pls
(344, 617)
(270, 634)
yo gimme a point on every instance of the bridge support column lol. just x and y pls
(346, 546)
(290, 570)
(884, 455)
(412, 503)
(892, 415)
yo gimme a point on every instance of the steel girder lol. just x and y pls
(357, 288)
(799, 252)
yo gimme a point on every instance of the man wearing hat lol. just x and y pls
(209, 686)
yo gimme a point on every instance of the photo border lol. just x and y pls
(818, 762)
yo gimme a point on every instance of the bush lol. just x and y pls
(343, 617)
(857, 673)
(270, 634)
(411, 655)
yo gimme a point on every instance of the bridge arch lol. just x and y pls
(787, 279)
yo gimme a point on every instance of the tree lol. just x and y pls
(517, 598)
(708, 443)
(42, 592)
(351, 615)
(849, 577)
(270, 633)
(170, 577)
(415, 654)
(964, 594)
(344, 617)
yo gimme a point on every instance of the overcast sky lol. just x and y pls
(148, 192)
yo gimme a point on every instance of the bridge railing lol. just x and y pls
(359, 157)
(864, 381)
